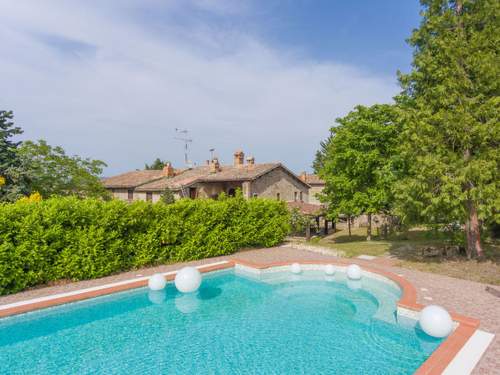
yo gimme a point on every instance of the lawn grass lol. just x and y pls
(356, 244)
(406, 249)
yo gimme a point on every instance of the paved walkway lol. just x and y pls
(461, 296)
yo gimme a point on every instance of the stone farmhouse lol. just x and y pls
(269, 180)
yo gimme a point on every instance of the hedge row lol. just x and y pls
(70, 238)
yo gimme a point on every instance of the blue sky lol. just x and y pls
(369, 34)
(112, 80)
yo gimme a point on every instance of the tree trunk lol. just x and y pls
(308, 230)
(369, 230)
(473, 232)
(385, 230)
(472, 227)
(349, 224)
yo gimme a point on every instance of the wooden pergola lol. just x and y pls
(313, 211)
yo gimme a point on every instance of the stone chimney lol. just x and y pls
(214, 166)
(168, 170)
(303, 176)
(250, 161)
(239, 158)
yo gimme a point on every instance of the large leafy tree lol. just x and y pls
(358, 162)
(13, 178)
(156, 164)
(52, 172)
(451, 109)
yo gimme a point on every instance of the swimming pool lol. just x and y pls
(238, 322)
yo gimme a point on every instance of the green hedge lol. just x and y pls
(70, 238)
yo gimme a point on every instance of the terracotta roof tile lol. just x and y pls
(185, 178)
(306, 208)
(203, 174)
(243, 173)
(312, 179)
(132, 179)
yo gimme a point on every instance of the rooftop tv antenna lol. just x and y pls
(183, 136)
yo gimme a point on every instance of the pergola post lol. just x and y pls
(308, 230)
(326, 226)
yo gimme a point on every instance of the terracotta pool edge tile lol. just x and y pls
(16, 310)
(72, 298)
(446, 351)
(409, 293)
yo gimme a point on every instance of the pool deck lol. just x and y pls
(461, 297)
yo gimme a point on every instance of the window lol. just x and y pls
(130, 195)
(295, 196)
(149, 196)
(301, 196)
(231, 192)
(278, 196)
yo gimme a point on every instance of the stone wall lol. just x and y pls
(315, 189)
(362, 222)
(119, 193)
(279, 181)
(246, 189)
(209, 190)
(213, 189)
(157, 196)
(139, 195)
(122, 194)
(377, 220)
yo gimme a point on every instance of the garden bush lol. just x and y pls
(76, 239)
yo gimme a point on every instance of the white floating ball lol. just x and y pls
(188, 280)
(329, 269)
(187, 303)
(157, 296)
(157, 282)
(295, 268)
(435, 321)
(354, 272)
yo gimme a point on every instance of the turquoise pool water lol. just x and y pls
(235, 324)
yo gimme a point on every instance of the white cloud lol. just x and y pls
(104, 83)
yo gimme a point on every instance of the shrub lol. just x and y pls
(167, 196)
(71, 238)
(298, 222)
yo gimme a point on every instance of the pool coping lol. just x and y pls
(436, 364)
